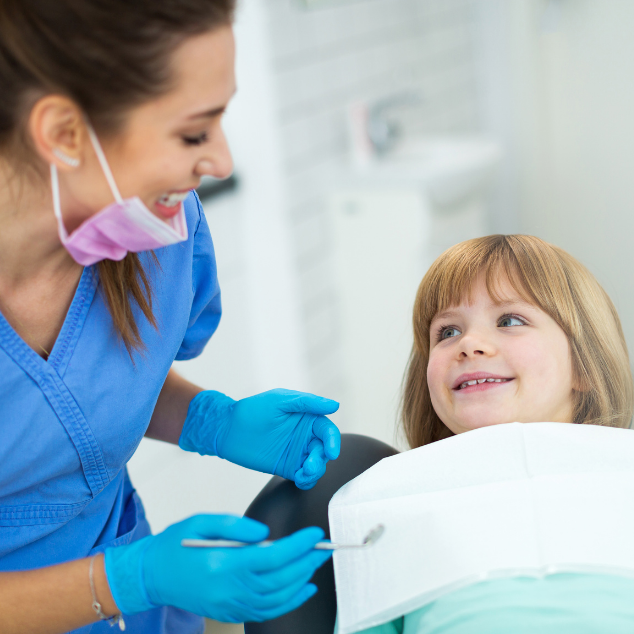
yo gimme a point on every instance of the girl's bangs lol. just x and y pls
(453, 277)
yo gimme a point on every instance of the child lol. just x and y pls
(511, 328)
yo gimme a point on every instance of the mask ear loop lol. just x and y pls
(63, 234)
(104, 163)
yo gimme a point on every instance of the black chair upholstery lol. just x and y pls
(285, 509)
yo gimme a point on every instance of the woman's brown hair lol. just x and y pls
(108, 56)
(548, 278)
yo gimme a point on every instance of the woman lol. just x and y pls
(109, 115)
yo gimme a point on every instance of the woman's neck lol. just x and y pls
(29, 243)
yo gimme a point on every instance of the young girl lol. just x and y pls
(511, 328)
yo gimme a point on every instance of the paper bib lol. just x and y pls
(515, 499)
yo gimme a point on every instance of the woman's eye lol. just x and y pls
(511, 320)
(449, 332)
(199, 139)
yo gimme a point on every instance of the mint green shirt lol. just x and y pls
(557, 604)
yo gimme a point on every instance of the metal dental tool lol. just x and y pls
(371, 538)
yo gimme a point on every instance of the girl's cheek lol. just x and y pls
(435, 373)
(529, 357)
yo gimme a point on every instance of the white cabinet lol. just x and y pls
(380, 241)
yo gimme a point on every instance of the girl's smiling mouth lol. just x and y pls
(478, 382)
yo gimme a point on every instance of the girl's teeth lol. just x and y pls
(479, 381)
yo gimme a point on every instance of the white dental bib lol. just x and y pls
(515, 499)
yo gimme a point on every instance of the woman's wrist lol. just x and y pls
(207, 412)
(124, 572)
(53, 599)
(102, 588)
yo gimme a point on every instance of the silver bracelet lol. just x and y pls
(117, 619)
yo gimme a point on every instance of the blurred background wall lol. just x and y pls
(513, 116)
(573, 100)
(420, 52)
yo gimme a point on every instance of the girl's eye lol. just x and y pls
(196, 140)
(447, 332)
(510, 320)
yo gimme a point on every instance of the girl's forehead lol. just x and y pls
(486, 292)
(496, 291)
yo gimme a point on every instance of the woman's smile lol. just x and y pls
(169, 205)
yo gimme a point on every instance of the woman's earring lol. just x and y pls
(69, 160)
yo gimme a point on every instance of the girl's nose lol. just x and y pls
(474, 353)
(474, 345)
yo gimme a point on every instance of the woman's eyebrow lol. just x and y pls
(214, 112)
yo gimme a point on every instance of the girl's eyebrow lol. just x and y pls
(511, 302)
(448, 314)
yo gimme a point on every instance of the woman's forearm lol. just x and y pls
(53, 600)
(171, 408)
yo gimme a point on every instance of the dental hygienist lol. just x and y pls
(109, 115)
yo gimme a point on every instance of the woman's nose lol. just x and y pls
(218, 161)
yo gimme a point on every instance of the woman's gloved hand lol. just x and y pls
(227, 584)
(279, 432)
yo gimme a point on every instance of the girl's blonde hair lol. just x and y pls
(547, 277)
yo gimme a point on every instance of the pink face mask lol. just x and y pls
(125, 225)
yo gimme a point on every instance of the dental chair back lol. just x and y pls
(285, 509)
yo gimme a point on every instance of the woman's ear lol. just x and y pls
(58, 131)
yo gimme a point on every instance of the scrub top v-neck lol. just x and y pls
(70, 424)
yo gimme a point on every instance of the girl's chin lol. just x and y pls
(468, 425)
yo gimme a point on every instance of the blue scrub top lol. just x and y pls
(70, 424)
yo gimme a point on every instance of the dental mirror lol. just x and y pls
(371, 538)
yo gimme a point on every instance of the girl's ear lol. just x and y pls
(580, 383)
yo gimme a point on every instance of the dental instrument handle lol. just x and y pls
(222, 543)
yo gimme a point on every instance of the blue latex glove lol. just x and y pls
(226, 584)
(279, 432)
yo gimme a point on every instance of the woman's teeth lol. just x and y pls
(171, 200)
(468, 383)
